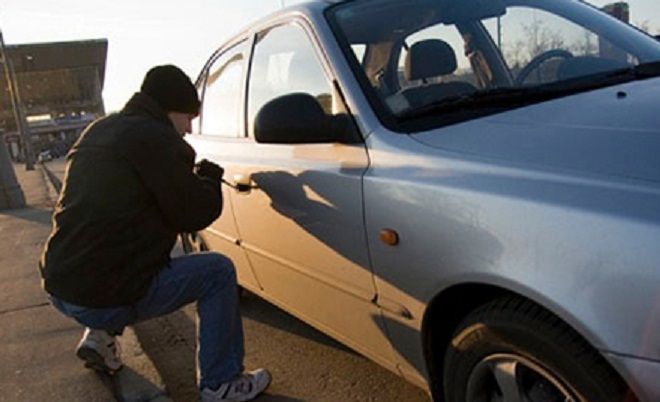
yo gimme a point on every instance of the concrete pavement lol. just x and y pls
(37, 348)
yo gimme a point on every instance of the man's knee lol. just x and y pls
(220, 267)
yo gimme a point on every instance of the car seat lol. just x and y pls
(429, 59)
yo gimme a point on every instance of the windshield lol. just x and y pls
(414, 56)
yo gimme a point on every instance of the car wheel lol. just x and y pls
(193, 243)
(512, 350)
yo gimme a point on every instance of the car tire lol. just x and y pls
(513, 350)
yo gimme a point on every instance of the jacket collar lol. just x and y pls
(142, 104)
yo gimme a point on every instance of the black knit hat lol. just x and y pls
(171, 89)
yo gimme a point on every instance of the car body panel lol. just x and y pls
(313, 194)
(572, 133)
(223, 233)
(643, 373)
(486, 230)
(304, 221)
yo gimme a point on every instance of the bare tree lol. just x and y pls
(587, 46)
(514, 53)
(643, 25)
(538, 38)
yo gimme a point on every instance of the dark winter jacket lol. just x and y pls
(129, 188)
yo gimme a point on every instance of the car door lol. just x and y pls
(302, 222)
(218, 133)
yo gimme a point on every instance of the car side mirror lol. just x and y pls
(297, 118)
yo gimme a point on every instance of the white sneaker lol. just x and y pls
(99, 351)
(242, 388)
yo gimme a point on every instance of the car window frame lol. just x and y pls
(200, 84)
(355, 65)
(241, 94)
(321, 56)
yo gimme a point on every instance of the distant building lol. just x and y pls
(620, 10)
(60, 85)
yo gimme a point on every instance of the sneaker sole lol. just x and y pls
(258, 391)
(93, 360)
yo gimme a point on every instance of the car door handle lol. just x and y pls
(243, 183)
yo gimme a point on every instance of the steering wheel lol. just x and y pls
(540, 59)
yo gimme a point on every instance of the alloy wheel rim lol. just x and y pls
(515, 378)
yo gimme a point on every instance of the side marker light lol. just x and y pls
(389, 237)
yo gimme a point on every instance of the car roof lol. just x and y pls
(305, 8)
(309, 10)
(407, 22)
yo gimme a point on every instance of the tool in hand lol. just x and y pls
(239, 186)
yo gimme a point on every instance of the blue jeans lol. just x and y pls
(207, 278)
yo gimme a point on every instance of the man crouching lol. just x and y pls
(130, 186)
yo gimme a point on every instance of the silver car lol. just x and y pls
(467, 192)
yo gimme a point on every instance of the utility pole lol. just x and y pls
(499, 34)
(19, 115)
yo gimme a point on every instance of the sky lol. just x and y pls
(140, 33)
(144, 33)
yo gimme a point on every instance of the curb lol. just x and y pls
(139, 380)
(52, 182)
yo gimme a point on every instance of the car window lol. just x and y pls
(284, 62)
(221, 105)
(525, 34)
(430, 62)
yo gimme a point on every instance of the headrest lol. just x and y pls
(429, 58)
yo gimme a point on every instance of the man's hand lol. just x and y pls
(209, 170)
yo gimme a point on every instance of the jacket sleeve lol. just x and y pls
(188, 202)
